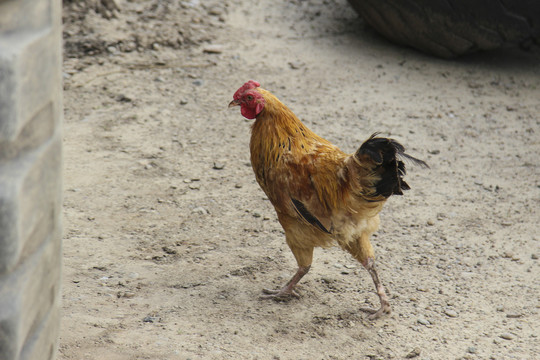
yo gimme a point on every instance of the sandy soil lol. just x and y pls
(168, 239)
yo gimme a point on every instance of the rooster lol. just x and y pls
(322, 195)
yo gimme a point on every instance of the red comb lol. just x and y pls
(251, 84)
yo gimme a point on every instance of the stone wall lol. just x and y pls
(30, 177)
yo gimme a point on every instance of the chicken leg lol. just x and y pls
(287, 291)
(385, 308)
(304, 257)
(362, 250)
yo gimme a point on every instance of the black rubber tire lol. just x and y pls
(449, 28)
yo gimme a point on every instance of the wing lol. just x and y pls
(307, 186)
(307, 216)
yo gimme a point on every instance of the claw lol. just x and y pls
(375, 314)
(278, 295)
(287, 292)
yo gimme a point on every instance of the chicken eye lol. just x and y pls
(249, 97)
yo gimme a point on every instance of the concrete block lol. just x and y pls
(30, 178)
(22, 95)
(30, 202)
(20, 16)
(29, 303)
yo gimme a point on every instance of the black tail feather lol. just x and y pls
(386, 154)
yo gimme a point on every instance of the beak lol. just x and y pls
(234, 103)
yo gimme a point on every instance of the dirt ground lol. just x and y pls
(168, 239)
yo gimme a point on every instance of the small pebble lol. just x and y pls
(295, 65)
(169, 250)
(123, 98)
(194, 186)
(216, 11)
(413, 353)
(327, 280)
(150, 319)
(183, 101)
(451, 313)
(430, 222)
(125, 294)
(256, 214)
(534, 257)
(197, 82)
(507, 336)
(200, 210)
(213, 49)
(513, 315)
(238, 186)
(218, 166)
(423, 321)
(471, 350)
(129, 46)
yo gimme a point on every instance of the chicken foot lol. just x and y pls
(286, 292)
(385, 308)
